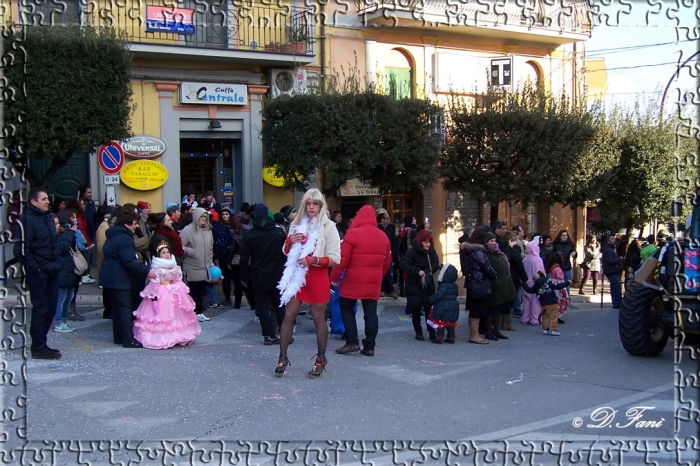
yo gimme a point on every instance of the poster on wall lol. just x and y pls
(169, 19)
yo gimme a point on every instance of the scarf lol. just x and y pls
(294, 275)
(493, 247)
(158, 262)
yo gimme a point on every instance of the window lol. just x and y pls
(532, 213)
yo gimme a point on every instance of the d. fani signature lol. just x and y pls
(604, 417)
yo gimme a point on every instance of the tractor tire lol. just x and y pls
(637, 335)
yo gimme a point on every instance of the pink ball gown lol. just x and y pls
(168, 320)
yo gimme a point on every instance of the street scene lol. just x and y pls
(373, 232)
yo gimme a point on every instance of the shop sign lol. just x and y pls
(169, 19)
(355, 187)
(143, 147)
(270, 178)
(144, 175)
(213, 93)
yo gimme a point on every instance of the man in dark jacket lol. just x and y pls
(612, 269)
(388, 228)
(262, 257)
(517, 270)
(42, 263)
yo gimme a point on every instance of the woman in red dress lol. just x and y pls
(311, 247)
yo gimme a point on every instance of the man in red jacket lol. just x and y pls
(365, 256)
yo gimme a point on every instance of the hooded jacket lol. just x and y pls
(198, 242)
(66, 277)
(532, 262)
(365, 256)
(262, 258)
(120, 265)
(37, 250)
(413, 262)
(475, 263)
(444, 301)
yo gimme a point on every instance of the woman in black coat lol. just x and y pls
(565, 246)
(420, 263)
(476, 269)
(119, 269)
(67, 279)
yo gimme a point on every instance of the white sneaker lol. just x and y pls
(256, 319)
(200, 317)
(546, 332)
(63, 328)
(87, 279)
(555, 333)
(204, 318)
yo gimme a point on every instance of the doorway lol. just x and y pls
(208, 165)
(399, 204)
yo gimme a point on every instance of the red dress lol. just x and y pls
(317, 289)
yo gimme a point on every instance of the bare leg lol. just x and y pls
(318, 311)
(290, 316)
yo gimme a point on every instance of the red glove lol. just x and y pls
(310, 260)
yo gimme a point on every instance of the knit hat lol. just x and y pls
(142, 205)
(260, 211)
(279, 218)
(408, 220)
(213, 215)
(172, 208)
(226, 209)
(287, 211)
(492, 236)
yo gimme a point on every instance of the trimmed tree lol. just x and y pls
(387, 143)
(72, 94)
(521, 147)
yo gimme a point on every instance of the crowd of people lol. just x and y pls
(158, 271)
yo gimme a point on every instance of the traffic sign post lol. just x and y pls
(111, 197)
(111, 158)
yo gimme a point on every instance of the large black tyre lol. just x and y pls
(637, 334)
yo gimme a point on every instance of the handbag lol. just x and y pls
(428, 278)
(80, 265)
(479, 290)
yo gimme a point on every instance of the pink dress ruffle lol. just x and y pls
(170, 319)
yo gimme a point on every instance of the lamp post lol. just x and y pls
(675, 75)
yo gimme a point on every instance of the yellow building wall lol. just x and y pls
(276, 198)
(145, 119)
(596, 79)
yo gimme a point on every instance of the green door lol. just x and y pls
(398, 83)
(65, 183)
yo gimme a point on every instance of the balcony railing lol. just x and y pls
(577, 17)
(219, 24)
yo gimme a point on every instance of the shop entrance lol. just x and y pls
(210, 165)
(398, 204)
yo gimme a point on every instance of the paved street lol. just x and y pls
(530, 387)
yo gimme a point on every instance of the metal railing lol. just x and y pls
(576, 17)
(220, 24)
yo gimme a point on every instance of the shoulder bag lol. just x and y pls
(80, 265)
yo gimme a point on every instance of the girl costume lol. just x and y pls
(165, 317)
(557, 276)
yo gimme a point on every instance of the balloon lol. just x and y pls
(214, 272)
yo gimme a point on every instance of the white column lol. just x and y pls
(252, 148)
(371, 60)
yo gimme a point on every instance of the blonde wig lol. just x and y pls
(312, 194)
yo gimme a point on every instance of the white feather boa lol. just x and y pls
(163, 263)
(294, 276)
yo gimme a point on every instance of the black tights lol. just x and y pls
(318, 311)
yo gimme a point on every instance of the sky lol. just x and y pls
(641, 27)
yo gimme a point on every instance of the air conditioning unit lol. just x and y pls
(288, 82)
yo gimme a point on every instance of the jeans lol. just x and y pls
(518, 303)
(369, 307)
(65, 296)
(615, 289)
(267, 301)
(212, 297)
(43, 292)
(567, 276)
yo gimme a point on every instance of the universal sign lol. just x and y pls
(143, 147)
(212, 93)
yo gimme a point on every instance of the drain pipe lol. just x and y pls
(323, 48)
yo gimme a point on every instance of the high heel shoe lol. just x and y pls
(282, 365)
(499, 335)
(319, 366)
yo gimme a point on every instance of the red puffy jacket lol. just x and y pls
(365, 255)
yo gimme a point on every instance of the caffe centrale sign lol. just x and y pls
(143, 147)
(144, 175)
(213, 93)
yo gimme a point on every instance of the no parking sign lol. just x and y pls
(111, 158)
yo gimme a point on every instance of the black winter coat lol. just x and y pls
(66, 277)
(39, 239)
(517, 269)
(565, 249)
(475, 263)
(263, 247)
(444, 301)
(119, 267)
(222, 234)
(390, 231)
(415, 260)
(610, 261)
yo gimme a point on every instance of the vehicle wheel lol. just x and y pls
(637, 334)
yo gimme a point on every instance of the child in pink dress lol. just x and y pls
(165, 317)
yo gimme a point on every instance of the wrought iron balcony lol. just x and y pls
(219, 24)
(575, 18)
